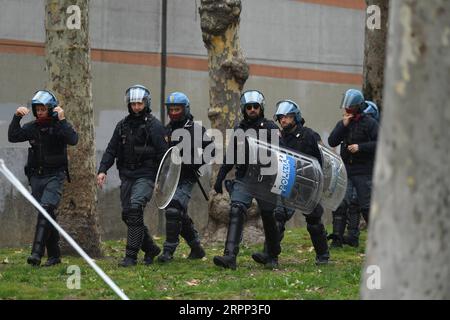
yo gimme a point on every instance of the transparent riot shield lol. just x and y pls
(167, 177)
(334, 178)
(291, 179)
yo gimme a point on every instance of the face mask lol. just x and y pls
(176, 116)
(44, 121)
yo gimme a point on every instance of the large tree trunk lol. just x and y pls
(409, 233)
(69, 67)
(228, 72)
(375, 53)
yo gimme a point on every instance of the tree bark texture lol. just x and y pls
(228, 72)
(409, 232)
(69, 68)
(375, 55)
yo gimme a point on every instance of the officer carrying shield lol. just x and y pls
(252, 108)
(46, 167)
(357, 134)
(138, 144)
(298, 138)
(178, 221)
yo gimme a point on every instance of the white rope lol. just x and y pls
(10, 176)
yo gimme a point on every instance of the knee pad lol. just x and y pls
(50, 209)
(42, 221)
(341, 210)
(176, 205)
(238, 211)
(186, 219)
(318, 210)
(173, 214)
(316, 228)
(133, 217)
(312, 221)
(280, 214)
(353, 208)
(266, 213)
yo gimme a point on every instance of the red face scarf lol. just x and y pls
(44, 121)
(176, 116)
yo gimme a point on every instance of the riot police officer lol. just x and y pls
(138, 145)
(252, 108)
(295, 136)
(46, 167)
(178, 221)
(353, 215)
(357, 134)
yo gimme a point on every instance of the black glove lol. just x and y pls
(220, 177)
(218, 186)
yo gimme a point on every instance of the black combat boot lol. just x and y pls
(128, 262)
(234, 237)
(197, 252)
(319, 239)
(339, 222)
(227, 261)
(166, 256)
(272, 237)
(271, 263)
(261, 257)
(191, 236)
(149, 256)
(34, 259)
(134, 219)
(52, 261)
(40, 238)
(150, 248)
(53, 251)
(354, 217)
(173, 230)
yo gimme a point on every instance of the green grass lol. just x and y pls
(297, 278)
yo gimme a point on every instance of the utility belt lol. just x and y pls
(138, 165)
(350, 159)
(44, 171)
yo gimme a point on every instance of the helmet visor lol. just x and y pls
(42, 97)
(136, 95)
(285, 108)
(253, 97)
(351, 100)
